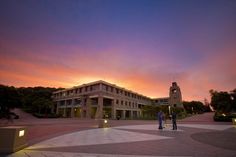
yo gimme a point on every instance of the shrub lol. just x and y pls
(38, 115)
(221, 117)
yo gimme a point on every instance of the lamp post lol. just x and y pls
(169, 109)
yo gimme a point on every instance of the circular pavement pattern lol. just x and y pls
(223, 139)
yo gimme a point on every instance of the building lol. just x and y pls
(175, 96)
(96, 99)
(99, 99)
(161, 101)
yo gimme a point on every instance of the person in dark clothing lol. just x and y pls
(174, 116)
(160, 119)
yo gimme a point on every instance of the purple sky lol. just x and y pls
(142, 45)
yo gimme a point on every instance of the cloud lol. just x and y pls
(147, 73)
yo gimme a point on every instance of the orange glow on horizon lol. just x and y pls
(26, 72)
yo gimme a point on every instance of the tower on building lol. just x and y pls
(175, 97)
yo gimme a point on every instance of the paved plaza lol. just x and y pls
(196, 136)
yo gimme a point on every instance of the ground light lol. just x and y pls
(234, 121)
(21, 133)
(12, 139)
(103, 123)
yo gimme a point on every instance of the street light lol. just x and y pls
(232, 98)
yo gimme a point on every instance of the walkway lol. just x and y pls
(136, 139)
(200, 118)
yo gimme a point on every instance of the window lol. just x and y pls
(106, 88)
(62, 103)
(93, 87)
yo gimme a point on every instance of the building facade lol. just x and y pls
(161, 101)
(100, 98)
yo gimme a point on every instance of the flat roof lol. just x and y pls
(100, 81)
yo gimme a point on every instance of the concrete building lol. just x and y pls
(100, 98)
(175, 96)
(161, 101)
(174, 99)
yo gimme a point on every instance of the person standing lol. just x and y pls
(174, 116)
(160, 118)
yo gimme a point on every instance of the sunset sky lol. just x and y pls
(142, 45)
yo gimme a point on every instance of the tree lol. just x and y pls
(149, 111)
(9, 99)
(194, 107)
(31, 99)
(223, 101)
(233, 98)
(42, 105)
(37, 99)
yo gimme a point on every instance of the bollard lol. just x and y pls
(12, 139)
(103, 123)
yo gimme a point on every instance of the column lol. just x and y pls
(123, 114)
(113, 109)
(72, 108)
(139, 114)
(99, 112)
(57, 107)
(82, 107)
(100, 86)
(64, 112)
(88, 108)
(131, 114)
